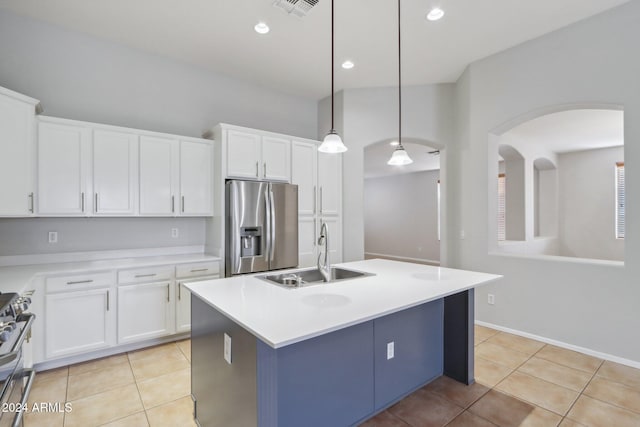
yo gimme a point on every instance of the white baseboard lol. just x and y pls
(401, 258)
(583, 350)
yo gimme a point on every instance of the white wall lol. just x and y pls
(401, 215)
(77, 76)
(368, 116)
(587, 204)
(594, 304)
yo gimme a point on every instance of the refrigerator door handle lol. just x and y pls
(272, 208)
(268, 222)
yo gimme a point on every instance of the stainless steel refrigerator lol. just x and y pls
(261, 226)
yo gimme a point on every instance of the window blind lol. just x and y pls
(620, 202)
(501, 207)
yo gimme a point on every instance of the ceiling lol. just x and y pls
(573, 130)
(295, 56)
(377, 155)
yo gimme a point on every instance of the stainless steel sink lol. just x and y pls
(301, 278)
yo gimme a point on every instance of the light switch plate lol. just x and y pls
(390, 350)
(227, 348)
(53, 237)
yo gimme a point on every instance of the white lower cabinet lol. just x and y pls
(186, 273)
(97, 310)
(79, 321)
(145, 311)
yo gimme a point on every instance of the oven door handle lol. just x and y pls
(31, 375)
(13, 354)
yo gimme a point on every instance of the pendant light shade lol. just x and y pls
(332, 143)
(399, 156)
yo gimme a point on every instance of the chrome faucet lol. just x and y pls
(323, 240)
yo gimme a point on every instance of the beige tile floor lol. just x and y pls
(149, 387)
(519, 382)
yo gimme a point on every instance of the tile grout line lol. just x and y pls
(565, 416)
(135, 381)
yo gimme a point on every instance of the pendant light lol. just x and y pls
(332, 143)
(399, 156)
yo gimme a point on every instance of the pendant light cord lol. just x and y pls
(399, 83)
(332, 128)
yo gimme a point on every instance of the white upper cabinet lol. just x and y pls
(257, 155)
(196, 195)
(304, 174)
(98, 170)
(17, 140)
(243, 155)
(276, 159)
(114, 172)
(64, 153)
(329, 184)
(159, 166)
(175, 177)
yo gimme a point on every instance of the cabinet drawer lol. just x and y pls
(146, 274)
(79, 281)
(196, 269)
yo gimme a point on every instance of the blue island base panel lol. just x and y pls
(342, 378)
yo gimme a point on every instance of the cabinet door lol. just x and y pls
(114, 172)
(330, 183)
(183, 308)
(16, 157)
(63, 159)
(77, 322)
(334, 228)
(243, 154)
(303, 174)
(276, 159)
(158, 176)
(144, 311)
(307, 238)
(195, 178)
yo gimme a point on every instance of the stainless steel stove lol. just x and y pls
(15, 380)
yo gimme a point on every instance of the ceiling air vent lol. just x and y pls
(300, 8)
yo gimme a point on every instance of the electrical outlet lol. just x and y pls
(227, 348)
(462, 235)
(174, 233)
(391, 350)
(491, 299)
(53, 237)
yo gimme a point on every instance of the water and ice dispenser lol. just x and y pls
(250, 241)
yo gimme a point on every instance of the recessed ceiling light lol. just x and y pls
(261, 28)
(435, 14)
(347, 65)
(394, 143)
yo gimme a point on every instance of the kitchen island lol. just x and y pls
(331, 354)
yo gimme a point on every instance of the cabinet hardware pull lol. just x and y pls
(257, 166)
(182, 204)
(137, 276)
(179, 289)
(173, 204)
(264, 167)
(108, 298)
(195, 270)
(96, 206)
(320, 199)
(315, 230)
(82, 201)
(315, 198)
(31, 202)
(78, 282)
(168, 294)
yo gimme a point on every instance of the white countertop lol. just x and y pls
(17, 278)
(280, 316)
